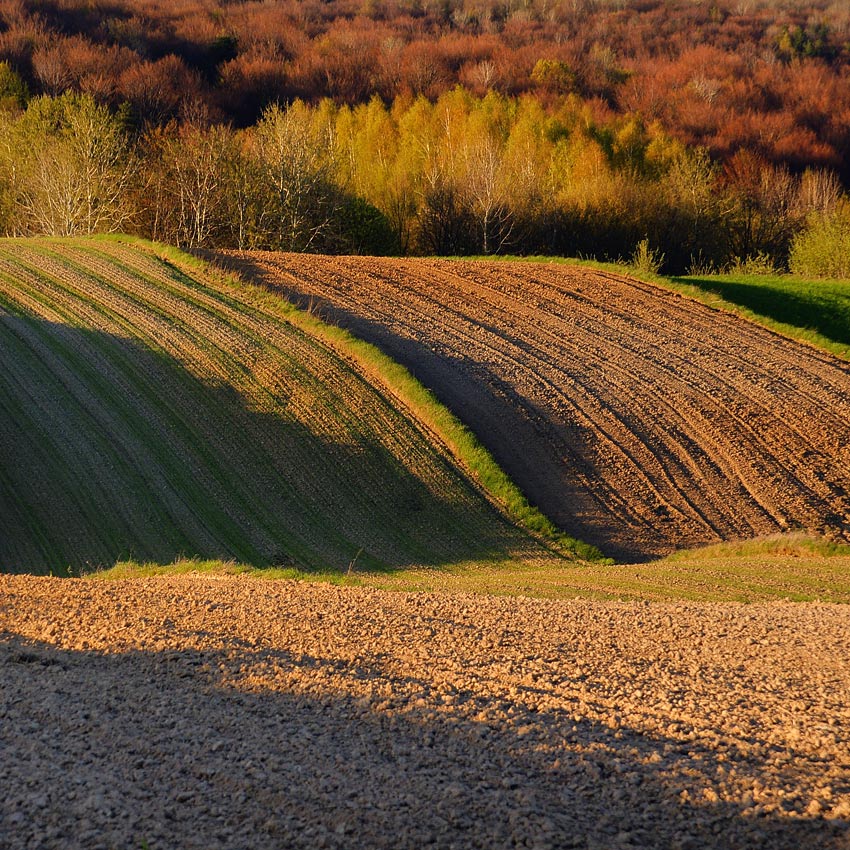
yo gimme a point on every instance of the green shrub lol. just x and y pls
(755, 264)
(823, 248)
(364, 229)
(14, 92)
(646, 259)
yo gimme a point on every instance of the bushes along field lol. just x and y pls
(463, 175)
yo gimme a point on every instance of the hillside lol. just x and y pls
(153, 408)
(640, 421)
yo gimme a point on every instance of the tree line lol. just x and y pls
(462, 175)
(767, 75)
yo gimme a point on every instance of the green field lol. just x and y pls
(788, 567)
(154, 409)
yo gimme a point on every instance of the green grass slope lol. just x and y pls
(815, 311)
(152, 409)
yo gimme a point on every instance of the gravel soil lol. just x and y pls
(638, 420)
(203, 712)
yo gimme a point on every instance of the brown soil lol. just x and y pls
(198, 712)
(638, 420)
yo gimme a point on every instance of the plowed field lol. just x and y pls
(151, 410)
(638, 420)
(201, 713)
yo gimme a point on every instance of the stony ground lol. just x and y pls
(209, 712)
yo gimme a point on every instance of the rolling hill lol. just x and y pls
(638, 420)
(153, 408)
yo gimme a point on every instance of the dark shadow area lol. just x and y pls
(811, 313)
(194, 749)
(110, 450)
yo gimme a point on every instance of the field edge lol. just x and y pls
(433, 416)
(711, 298)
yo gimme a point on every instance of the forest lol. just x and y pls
(713, 134)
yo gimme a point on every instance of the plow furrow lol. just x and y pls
(638, 419)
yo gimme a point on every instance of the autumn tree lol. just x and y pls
(761, 214)
(68, 166)
(157, 89)
(433, 137)
(373, 164)
(186, 167)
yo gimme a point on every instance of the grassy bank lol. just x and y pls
(788, 568)
(813, 311)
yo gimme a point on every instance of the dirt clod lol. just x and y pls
(251, 721)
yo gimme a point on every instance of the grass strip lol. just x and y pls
(787, 568)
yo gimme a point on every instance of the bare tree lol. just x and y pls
(197, 158)
(296, 162)
(484, 187)
(51, 70)
(71, 167)
(820, 192)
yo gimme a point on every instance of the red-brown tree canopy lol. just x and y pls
(767, 75)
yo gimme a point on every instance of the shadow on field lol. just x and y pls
(185, 749)
(784, 306)
(113, 450)
(546, 456)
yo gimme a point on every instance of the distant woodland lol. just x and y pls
(714, 133)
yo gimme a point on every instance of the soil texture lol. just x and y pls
(194, 712)
(638, 420)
